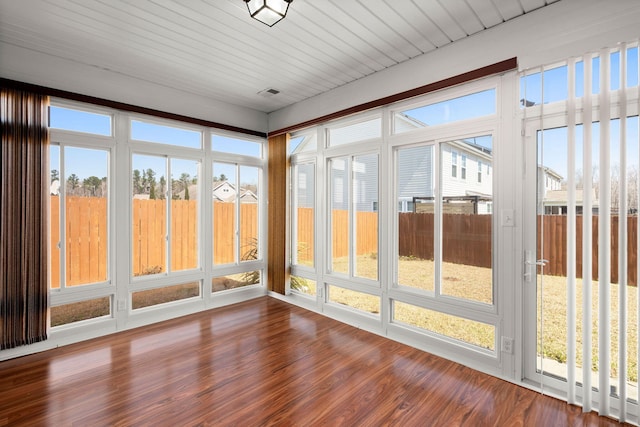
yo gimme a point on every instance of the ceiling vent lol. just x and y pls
(269, 92)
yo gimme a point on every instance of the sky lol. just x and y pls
(551, 86)
(547, 87)
(86, 162)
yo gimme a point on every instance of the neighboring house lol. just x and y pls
(556, 202)
(226, 192)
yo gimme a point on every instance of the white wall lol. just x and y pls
(563, 29)
(39, 68)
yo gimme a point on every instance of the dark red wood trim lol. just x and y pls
(498, 67)
(13, 84)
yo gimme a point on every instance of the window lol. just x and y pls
(415, 180)
(303, 214)
(479, 171)
(228, 144)
(361, 131)
(463, 167)
(303, 143)
(454, 164)
(236, 220)
(354, 224)
(465, 107)
(163, 134)
(79, 192)
(80, 121)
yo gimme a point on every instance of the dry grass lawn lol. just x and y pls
(474, 283)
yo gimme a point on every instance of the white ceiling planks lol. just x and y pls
(214, 49)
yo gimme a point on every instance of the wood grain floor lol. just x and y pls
(262, 362)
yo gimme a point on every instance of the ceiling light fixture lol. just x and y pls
(269, 12)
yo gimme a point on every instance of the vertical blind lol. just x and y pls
(600, 113)
(24, 184)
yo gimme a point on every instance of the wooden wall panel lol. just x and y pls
(277, 270)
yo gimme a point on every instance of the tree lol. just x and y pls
(163, 187)
(184, 180)
(138, 188)
(91, 184)
(55, 175)
(73, 182)
(223, 177)
(151, 182)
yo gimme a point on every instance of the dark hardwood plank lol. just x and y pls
(260, 363)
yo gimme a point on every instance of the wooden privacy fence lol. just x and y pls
(86, 236)
(555, 246)
(466, 239)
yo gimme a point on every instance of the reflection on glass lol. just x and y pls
(365, 206)
(86, 215)
(414, 172)
(150, 297)
(339, 215)
(151, 132)
(466, 221)
(149, 227)
(54, 216)
(249, 193)
(236, 146)
(303, 285)
(303, 143)
(465, 107)
(184, 214)
(468, 331)
(79, 311)
(233, 281)
(358, 300)
(303, 215)
(224, 213)
(356, 132)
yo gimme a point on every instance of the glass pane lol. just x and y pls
(303, 143)
(467, 221)
(356, 132)
(54, 217)
(224, 213)
(86, 215)
(149, 231)
(236, 146)
(465, 107)
(184, 214)
(165, 294)
(365, 204)
(151, 132)
(632, 67)
(358, 300)
(79, 311)
(553, 148)
(304, 202)
(249, 220)
(339, 215)
(303, 285)
(465, 330)
(233, 281)
(80, 121)
(415, 181)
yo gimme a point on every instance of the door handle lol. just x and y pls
(528, 270)
(540, 262)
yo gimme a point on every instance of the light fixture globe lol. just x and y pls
(269, 12)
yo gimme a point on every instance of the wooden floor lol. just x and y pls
(262, 362)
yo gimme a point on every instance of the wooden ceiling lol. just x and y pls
(214, 49)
